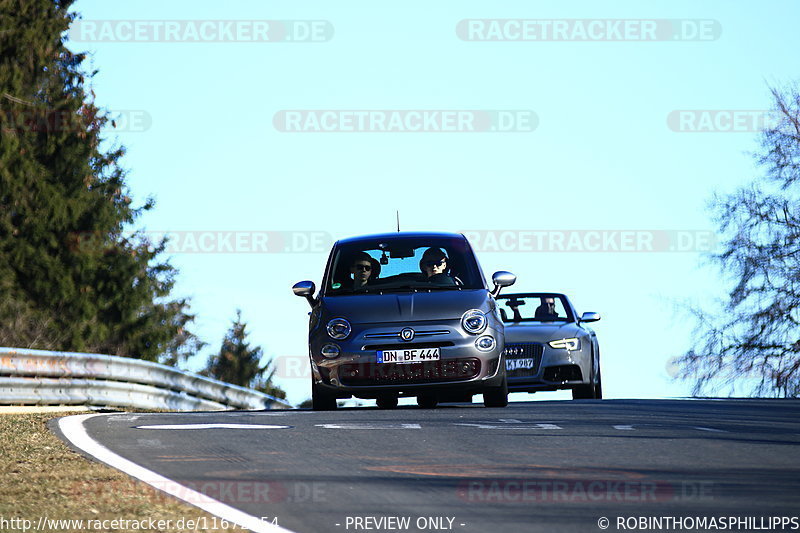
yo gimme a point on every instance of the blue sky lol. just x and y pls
(601, 158)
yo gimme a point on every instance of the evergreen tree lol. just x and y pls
(753, 340)
(240, 364)
(69, 278)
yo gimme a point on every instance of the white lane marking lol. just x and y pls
(510, 421)
(709, 429)
(369, 426)
(527, 426)
(73, 429)
(624, 428)
(213, 426)
(548, 426)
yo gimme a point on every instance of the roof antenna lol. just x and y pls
(398, 220)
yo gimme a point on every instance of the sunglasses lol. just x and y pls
(431, 264)
(365, 268)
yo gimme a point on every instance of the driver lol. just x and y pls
(547, 310)
(434, 267)
(361, 269)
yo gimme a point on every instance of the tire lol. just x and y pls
(387, 402)
(583, 392)
(598, 387)
(496, 396)
(427, 401)
(592, 391)
(320, 400)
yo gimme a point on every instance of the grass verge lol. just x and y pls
(41, 477)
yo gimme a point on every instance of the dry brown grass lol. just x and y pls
(41, 477)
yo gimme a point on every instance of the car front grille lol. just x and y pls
(407, 345)
(523, 359)
(396, 334)
(356, 374)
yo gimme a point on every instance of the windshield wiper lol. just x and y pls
(401, 288)
(350, 292)
(420, 288)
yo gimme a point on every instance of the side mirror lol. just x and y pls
(589, 317)
(306, 290)
(501, 279)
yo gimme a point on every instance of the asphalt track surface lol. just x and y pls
(538, 466)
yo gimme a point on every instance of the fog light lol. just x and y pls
(485, 343)
(331, 351)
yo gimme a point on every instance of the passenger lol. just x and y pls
(434, 267)
(514, 305)
(361, 268)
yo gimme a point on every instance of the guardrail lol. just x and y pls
(38, 377)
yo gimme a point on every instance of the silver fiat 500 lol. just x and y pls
(406, 314)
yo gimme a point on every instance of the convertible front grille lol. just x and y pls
(396, 374)
(523, 359)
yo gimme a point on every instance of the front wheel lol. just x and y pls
(598, 386)
(427, 401)
(387, 402)
(592, 391)
(496, 396)
(321, 400)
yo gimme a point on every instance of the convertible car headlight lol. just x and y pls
(339, 328)
(474, 321)
(572, 344)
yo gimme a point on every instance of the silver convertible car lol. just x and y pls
(548, 346)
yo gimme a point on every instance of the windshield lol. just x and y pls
(534, 308)
(403, 264)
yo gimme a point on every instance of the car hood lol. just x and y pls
(540, 331)
(405, 306)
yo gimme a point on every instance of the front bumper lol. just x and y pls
(552, 369)
(462, 369)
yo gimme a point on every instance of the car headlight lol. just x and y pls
(571, 344)
(330, 351)
(485, 343)
(474, 321)
(339, 328)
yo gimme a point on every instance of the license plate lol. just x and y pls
(514, 364)
(412, 355)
